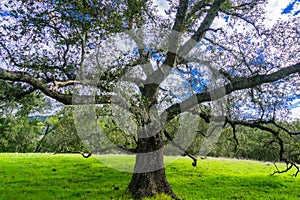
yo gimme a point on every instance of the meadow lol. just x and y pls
(68, 176)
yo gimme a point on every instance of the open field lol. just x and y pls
(48, 176)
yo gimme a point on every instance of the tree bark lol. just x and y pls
(149, 177)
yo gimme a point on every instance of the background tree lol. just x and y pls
(59, 134)
(45, 44)
(253, 144)
(19, 132)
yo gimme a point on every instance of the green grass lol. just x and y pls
(47, 176)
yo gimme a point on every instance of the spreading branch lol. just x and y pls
(58, 84)
(36, 83)
(235, 85)
(173, 58)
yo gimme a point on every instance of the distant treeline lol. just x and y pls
(57, 133)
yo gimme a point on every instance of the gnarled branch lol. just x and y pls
(236, 84)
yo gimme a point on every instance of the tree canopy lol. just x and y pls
(213, 59)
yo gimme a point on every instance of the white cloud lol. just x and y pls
(274, 9)
(162, 5)
(295, 112)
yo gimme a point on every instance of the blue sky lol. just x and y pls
(293, 8)
(290, 9)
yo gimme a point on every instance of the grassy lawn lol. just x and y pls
(48, 176)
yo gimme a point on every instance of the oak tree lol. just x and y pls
(51, 45)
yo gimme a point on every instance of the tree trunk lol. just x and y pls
(149, 176)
